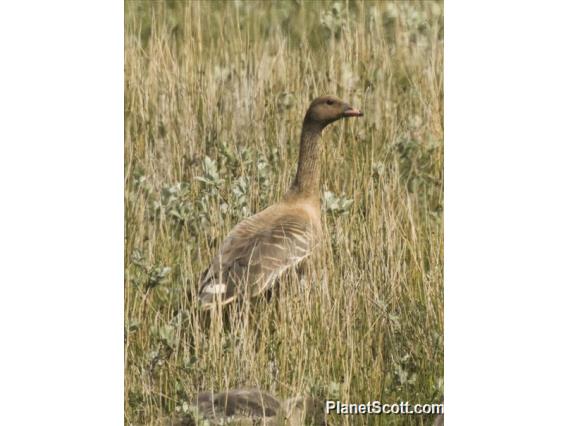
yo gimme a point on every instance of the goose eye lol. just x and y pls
(329, 102)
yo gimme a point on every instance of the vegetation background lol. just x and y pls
(215, 94)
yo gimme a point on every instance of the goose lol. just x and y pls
(251, 406)
(258, 250)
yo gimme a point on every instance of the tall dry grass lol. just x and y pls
(215, 94)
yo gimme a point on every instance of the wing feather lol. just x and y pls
(255, 253)
(238, 403)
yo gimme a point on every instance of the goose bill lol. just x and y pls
(352, 112)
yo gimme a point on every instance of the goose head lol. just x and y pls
(327, 109)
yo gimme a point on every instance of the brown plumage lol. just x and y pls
(262, 247)
(249, 406)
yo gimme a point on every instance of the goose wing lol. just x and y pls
(244, 403)
(256, 252)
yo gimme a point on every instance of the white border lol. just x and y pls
(61, 174)
(506, 212)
